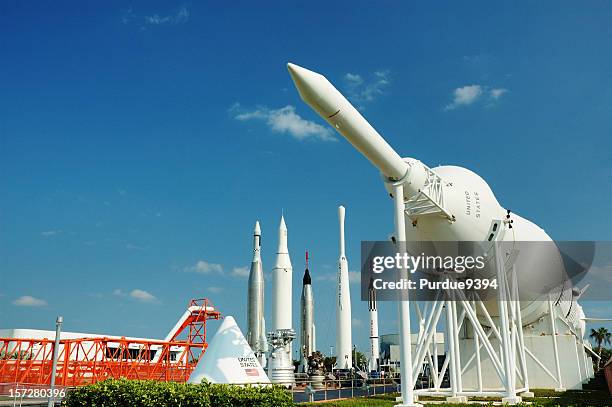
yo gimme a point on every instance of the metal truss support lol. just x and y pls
(500, 338)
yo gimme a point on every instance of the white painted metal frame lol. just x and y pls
(508, 354)
(430, 199)
(508, 357)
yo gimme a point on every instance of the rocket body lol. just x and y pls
(281, 283)
(280, 361)
(255, 302)
(344, 343)
(307, 331)
(374, 343)
(470, 209)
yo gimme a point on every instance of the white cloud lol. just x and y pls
(353, 78)
(497, 93)
(326, 277)
(214, 290)
(470, 94)
(285, 121)
(131, 246)
(241, 272)
(48, 233)
(142, 295)
(205, 267)
(137, 294)
(357, 322)
(465, 96)
(29, 301)
(361, 91)
(180, 16)
(354, 277)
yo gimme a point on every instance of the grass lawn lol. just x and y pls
(542, 398)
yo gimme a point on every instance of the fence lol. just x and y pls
(307, 389)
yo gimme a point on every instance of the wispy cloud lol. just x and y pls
(137, 294)
(362, 91)
(498, 93)
(241, 272)
(181, 16)
(214, 289)
(471, 94)
(357, 322)
(326, 277)
(131, 246)
(284, 121)
(29, 301)
(49, 233)
(354, 277)
(142, 295)
(178, 16)
(205, 267)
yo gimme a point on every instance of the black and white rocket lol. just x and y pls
(374, 345)
(256, 328)
(307, 326)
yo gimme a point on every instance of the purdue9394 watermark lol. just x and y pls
(460, 270)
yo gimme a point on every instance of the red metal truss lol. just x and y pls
(89, 360)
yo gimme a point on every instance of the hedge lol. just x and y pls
(145, 393)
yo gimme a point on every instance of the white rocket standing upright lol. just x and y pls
(374, 352)
(344, 341)
(280, 363)
(307, 341)
(282, 275)
(255, 304)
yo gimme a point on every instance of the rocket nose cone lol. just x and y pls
(282, 225)
(315, 90)
(294, 71)
(300, 78)
(306, 280)
(257, 230)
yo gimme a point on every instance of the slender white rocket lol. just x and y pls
(281, 283)
(344, 342)
(307, 318)
(280, 366)
(255, 302)
(374, 344)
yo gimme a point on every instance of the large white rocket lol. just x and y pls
(256, 328)
(282, 275)
(450, 203)
(344, 341)
(307, 326)
(280, 363)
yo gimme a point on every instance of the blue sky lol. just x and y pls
(140, 141)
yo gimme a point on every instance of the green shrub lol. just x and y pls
(145, 393)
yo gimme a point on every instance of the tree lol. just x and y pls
(600, 336)
(360, 360)
(329, 363)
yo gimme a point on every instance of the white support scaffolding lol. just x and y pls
(499, 339)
